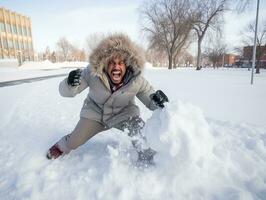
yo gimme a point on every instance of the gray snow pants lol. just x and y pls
(86, 129)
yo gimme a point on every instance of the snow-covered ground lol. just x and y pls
(210, 138)
(9, 71)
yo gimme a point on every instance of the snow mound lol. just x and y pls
(180, 133)
(197, 158)
(205, 159)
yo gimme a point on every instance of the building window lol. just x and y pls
(16, 43)
(26, 46)
(5, 43)
(8, 28)
(29, 32)
(24, 31)
(14, 29)
(19, 30)
(10, 44)
(22, 45)
(2, 27)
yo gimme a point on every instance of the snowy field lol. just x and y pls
(9, 70)
(210, 138)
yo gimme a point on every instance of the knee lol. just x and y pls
(134, 125)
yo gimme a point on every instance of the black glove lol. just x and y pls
(159, 98)
(74, 77)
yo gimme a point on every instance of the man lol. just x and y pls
(114, 78)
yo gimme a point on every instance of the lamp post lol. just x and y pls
(255, 43)
(19, 58)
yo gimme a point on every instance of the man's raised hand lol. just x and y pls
(74, 77)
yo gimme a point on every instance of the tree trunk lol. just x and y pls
(258, 58)
(199, 54)
(174, 63)
(170, 62)
(258, 67)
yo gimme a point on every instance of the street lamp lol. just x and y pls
(255, 43)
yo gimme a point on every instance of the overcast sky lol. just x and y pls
(75, 20)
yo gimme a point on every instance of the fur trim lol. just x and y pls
(116, 44)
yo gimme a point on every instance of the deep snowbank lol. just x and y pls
(206, 159)
(197, 158)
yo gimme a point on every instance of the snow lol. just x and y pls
(31, 69)
(210, 138)
(224, 94)
(49, 65)
(8, 63)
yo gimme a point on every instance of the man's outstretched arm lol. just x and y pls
(75, 83)
(149, 97)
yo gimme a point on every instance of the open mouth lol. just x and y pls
(116, 75)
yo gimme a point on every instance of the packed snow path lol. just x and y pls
(28, 80)
(198, 157)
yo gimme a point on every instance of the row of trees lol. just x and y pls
(67, 51)
(171, 25)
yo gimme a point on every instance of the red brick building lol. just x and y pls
(229, 59)
(260, 55)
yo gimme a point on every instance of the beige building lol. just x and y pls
(15, 36)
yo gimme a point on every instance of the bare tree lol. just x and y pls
(248, 34)
(156, 57)
(239, 51)
(241, 5)
(215, 52)
(47, 54)
(207, 15)
(77, 54)
(64, 48)
(167, 24)
(186, 58)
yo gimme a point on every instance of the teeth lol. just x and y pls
(116, 73)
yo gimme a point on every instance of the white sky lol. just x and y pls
(77, 19)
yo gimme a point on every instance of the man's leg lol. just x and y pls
(134, 127)
(84, 130)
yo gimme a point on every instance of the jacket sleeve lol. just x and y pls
(66, 90)
(144, 94)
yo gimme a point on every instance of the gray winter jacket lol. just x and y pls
(101, 104)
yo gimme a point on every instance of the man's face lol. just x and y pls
(116, 70)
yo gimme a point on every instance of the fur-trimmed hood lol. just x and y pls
(116, 44)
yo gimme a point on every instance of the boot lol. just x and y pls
(146, 156)
(54, 152)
